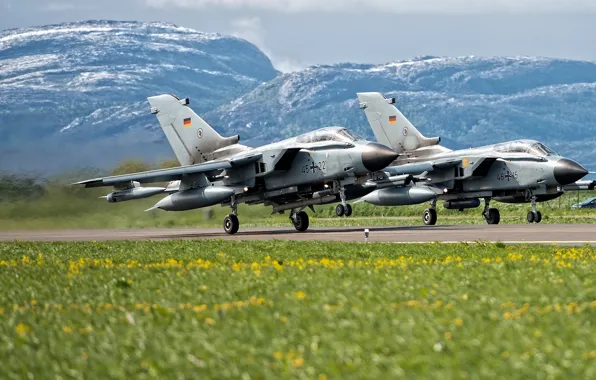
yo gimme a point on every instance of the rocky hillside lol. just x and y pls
(468, 101)
(76, 93)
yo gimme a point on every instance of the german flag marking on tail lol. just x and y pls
(187, 122)
(392, 119)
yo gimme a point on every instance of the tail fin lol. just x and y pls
(191, 138)
(391, 128)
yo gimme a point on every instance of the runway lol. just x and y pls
(568, 234)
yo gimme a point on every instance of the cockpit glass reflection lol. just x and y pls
(540, 149)
(525, 146)
(328, 134)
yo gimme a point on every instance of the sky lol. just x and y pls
(299, 33)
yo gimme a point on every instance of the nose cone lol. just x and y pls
(376, 156)
(568, 171)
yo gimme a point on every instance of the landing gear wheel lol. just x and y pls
(300, 221)
(339, 210)
(538, 217)
(231, 224)
(429, 217)
(531, 217)
(493, 216)
(348, 210)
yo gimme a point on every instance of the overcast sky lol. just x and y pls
(298, 33)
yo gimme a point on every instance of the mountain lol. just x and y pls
(75, 94)
(468, 101)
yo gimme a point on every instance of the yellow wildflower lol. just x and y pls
(22, 329)
(589, 355)
(67, 329)
(278, 355)
(459, 322)
(298, 362)
(210, 321)
(200, 308)
(300, 295)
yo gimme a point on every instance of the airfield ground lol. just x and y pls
(221, 309)
(567, 234)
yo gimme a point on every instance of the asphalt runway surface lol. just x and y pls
(568, 234)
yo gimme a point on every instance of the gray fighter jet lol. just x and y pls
(325, 166)
(512, 172)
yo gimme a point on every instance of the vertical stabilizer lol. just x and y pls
(390, 126)
(191, 138)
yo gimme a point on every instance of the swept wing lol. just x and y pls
(170, 174)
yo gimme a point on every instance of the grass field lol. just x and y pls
(219, 309)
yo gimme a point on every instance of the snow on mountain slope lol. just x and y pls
(468, 101)
(75, 94)
(69, 89)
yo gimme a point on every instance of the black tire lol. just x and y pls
(494, 216)
(339, 210)
(231, 224)
(301, 221)
(531, 217)
(429, 216)
(348, 210)
(538, 217)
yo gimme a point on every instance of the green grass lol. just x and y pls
(66, 207)
(224, 309)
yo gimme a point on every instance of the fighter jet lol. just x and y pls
(324, 166)
(517, 171)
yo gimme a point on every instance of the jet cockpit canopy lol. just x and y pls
(532, 147)
(338, 134)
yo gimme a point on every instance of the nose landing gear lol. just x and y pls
(343, 208)
(534, 216)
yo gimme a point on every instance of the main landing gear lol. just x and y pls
(299, 220)
(343, 208)
(231, 223)
(491, 215)
(534, 216)
(429, 216)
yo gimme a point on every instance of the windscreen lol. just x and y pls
(539, 149)
(349, 136)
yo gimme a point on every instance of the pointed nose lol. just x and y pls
(568, 171)
(376, 156)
